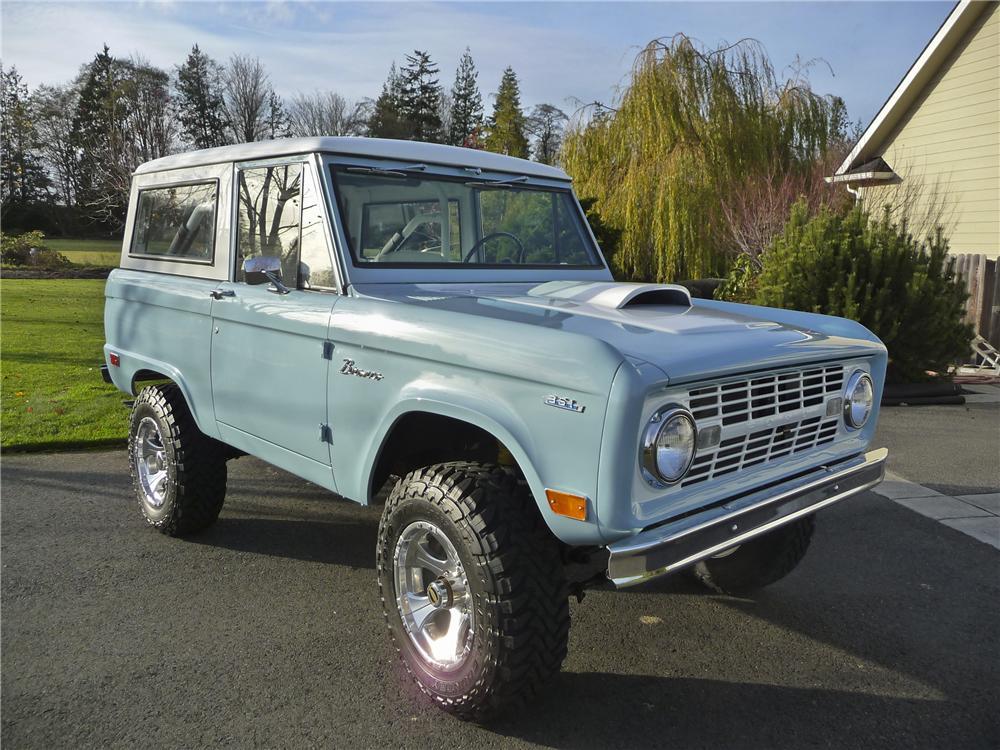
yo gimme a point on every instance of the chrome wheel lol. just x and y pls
(151, 462)
(432, 595)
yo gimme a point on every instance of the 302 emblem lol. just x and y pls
(564, 403)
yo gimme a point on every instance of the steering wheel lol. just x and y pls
(493, 235)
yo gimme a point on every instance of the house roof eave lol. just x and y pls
(944, 41)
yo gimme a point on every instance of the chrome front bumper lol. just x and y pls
(677, 544)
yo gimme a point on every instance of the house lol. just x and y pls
(934, 147)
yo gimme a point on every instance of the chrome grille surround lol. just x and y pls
(764, 417)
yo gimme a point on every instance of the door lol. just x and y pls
(269, 365)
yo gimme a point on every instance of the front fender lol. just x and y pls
(569, 464)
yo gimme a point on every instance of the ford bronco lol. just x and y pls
(435, 329)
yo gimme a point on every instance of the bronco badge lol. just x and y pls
(350, 369)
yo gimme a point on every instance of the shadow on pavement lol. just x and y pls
(631, 711)
(312, 540)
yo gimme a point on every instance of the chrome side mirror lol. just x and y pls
(262, 269)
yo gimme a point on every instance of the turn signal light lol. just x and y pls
(567, 504)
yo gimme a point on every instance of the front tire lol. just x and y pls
(472, 588)
(178, 472)
(758, 563)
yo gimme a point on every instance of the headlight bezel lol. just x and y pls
(857, 378)
(658, 422)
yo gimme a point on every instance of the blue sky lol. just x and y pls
(561, 51)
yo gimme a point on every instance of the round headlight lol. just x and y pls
(858, 400)
(668, 445)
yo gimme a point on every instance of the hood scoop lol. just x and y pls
(614, 296)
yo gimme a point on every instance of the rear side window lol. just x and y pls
(176, 222)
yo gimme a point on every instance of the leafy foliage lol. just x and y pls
(507, 123)
(689, 129)
(29, 249)
(607, 237)
(874, 271)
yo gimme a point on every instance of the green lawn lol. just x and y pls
(88, 252)
(50, 358)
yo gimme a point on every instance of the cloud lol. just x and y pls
(560, 51)
(307, 46)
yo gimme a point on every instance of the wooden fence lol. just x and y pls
(983, 284)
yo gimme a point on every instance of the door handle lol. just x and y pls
(220, 293)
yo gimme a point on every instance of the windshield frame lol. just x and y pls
(360, 272)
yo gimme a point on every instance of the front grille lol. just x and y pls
(766, 395)
(763, 418)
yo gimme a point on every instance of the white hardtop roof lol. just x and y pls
(381, 148)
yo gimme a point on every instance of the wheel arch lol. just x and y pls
(134, 370)
(469, 424)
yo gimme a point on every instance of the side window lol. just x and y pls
(176, 222)
(315, 261)
(270, 206)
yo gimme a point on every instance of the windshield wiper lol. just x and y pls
(387, 172)
(510, 182)
(376, 171)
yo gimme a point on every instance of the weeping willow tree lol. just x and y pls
(692, 130)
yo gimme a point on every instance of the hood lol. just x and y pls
(658, 324)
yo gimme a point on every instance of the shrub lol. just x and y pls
(741, 281)
(29, 249)
(873, 271)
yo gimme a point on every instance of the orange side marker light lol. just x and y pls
(567, 504)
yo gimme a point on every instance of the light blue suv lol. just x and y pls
(435, 328)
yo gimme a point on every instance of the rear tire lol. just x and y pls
(505, 586)
(178, 472)
(760, 562)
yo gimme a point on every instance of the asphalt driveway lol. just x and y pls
(266, 631)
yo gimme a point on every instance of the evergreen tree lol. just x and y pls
(466, 103)
(98, 131)
(507, 123)
(873, 270)
(22, 179)
(200, 106)
(278, 125)
(420, 97)
(386, 120)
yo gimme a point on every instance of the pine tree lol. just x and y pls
(278, 125)
(200, 107)
(466, 103)
(386, 120)
(507, 123)
(98, 132)
(420, 97)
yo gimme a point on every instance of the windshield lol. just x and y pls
(405, 219)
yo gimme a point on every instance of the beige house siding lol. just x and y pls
(946, 149)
